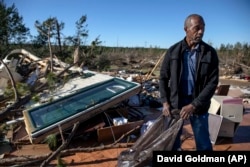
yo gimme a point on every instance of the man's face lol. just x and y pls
(195, 30)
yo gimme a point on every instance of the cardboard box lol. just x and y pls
(214, 106)
(232, 112)
(229, 107)
(214, 123)
(228, 128)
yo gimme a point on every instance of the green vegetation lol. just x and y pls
(22, 89)
(51, 140)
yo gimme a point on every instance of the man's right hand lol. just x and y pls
(165, 110)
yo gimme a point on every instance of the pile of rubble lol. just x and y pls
(125, 111)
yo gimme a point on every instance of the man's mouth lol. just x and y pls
(199, 38)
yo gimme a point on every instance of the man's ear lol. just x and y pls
(185, 29)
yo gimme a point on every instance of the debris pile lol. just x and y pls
(137, 99)
(117, 117)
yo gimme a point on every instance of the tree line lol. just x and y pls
(73, 49)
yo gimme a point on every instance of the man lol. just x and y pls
(189, 76)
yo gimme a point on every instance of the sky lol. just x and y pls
(142, 23)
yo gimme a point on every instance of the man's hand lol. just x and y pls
(165, 110)
(187, 111)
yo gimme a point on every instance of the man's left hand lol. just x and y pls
(187, 111)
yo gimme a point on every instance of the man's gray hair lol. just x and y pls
(188, 19)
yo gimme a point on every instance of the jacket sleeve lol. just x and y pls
(164, 79)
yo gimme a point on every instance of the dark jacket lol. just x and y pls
(206, 81)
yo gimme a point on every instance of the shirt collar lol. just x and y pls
(185, 46)
(197, 46)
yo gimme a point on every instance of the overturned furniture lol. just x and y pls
(79, 106)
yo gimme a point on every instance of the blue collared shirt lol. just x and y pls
(189, 70)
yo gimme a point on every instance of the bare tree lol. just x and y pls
(47, 28)
(12, 81)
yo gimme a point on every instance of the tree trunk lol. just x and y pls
(12, 81)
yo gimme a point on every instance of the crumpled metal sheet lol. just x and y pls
(160, 136)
